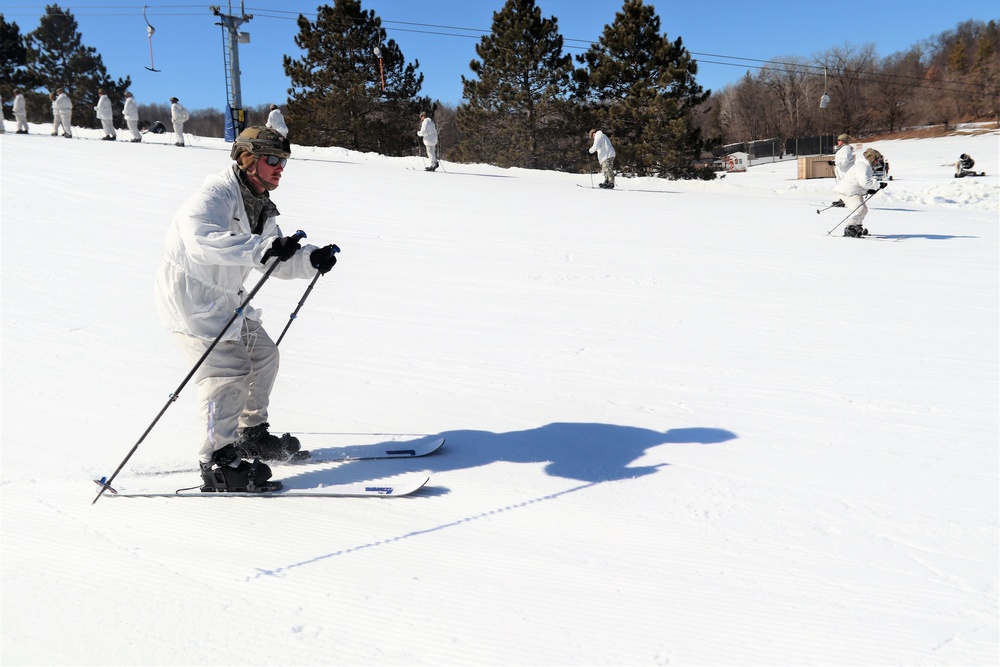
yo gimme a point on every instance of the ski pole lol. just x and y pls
(852, 212)
(105, 483)
(295, 313)
(820, 210)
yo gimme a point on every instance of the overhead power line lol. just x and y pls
(477, 33)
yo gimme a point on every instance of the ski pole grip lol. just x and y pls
(299, 234)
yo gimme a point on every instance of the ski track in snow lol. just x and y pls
(690, 429)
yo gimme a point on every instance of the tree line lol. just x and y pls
(951, 77)
(527, 103)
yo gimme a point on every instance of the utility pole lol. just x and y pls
(232, 38)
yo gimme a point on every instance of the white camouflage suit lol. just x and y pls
(210, 252)
(104, 114)
(855, 184)
(430, 136)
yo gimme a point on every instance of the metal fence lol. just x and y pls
(775, 148)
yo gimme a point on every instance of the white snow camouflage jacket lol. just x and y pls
(131, 110)
(428, 132)
(602, 146)
(210, 254)
(843, 160)
(858, 180)
(103, 108)
(178, 114)
(276, 122)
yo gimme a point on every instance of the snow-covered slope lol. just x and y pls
(684, 425)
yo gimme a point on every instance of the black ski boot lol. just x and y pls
(854, 231)
(839, 203)
(232, 474)
(257, 441)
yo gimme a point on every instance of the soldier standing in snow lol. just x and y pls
(276, 121)
(178, 116)
(605, 156)
(131, 113)
(842, 161)
(65, 107)
(430, 135)
(56, 121)
(856, 183)
(105, 115)
(20, 115)
(217, 237)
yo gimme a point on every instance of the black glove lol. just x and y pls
(831, 162)
(324, 258)
(871, 192)
(283, 248)
(882, 184)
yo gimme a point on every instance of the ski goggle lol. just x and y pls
(274, 160)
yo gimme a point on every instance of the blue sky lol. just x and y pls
(188, 45)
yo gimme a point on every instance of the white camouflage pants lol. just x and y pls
(857, 204)
(234, 383)
(65, 117)
(432, 153)
(109, 128)
(179, 132)
(133, 127)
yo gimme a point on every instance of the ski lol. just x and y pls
(391, 449)
(384, 489)
(388, 449)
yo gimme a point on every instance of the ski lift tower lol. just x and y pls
(231, 39)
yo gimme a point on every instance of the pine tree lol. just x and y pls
(514, 112)
(641, 88)
(57, 58)
(13, 60)
(337, 97)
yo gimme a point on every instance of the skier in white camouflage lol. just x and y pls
(605, 156)
(856, 183)
(430, 137)
(106, 116)
(842, 161)
(217, 237)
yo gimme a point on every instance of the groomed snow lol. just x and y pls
(684, 425)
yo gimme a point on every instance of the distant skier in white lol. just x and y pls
(844, 159)
(856, 183)
(178, 116)
(131, 113)
(56, 121)
(430, 136)
(20, 115)
(65, 106)
(105, 115)
(605, 156)
(276, 121)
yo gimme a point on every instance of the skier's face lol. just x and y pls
(270, 173)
